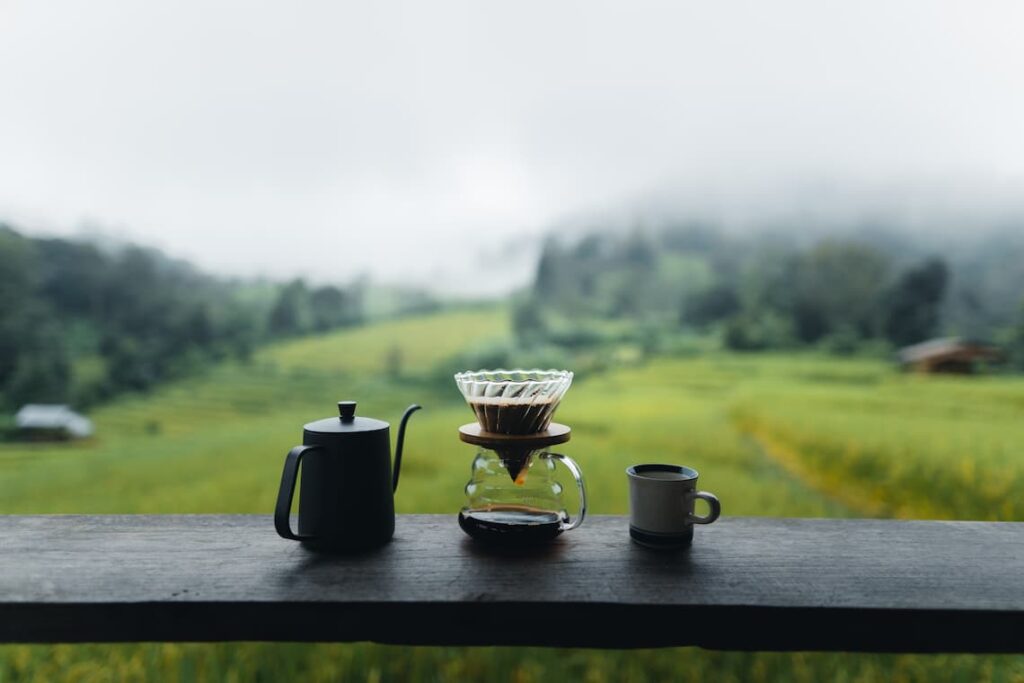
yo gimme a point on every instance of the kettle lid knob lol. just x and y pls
(345, 423)
(346, 410)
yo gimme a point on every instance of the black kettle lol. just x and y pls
(347, 497)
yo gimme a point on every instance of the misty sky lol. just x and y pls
(424, 141)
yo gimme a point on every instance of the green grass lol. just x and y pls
(338, 662)
(898, 445)
(421, 342)
(797, 435)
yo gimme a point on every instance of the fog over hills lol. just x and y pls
(436, 143)
(938, 217)
(820, 207)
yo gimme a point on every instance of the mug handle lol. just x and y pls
(287, 491)
(578, 475)
(716, 508)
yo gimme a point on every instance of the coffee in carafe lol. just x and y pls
(513, 525)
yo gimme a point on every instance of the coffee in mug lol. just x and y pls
(661, 505)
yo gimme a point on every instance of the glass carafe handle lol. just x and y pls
(578, 475)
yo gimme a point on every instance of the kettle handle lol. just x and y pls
(287, 491)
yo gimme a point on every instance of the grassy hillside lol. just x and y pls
(771, 435)
(928, 447)
(216, 443)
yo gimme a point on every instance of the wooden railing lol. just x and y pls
(747, 583)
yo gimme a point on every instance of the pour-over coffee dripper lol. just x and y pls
(513, 497)
(514, 403)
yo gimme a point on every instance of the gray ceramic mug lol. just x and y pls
(661, 505)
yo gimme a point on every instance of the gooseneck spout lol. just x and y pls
(401, 440)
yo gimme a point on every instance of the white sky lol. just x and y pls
(414, 141)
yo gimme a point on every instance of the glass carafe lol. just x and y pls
(514, 498)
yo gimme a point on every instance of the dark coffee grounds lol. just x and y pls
(509, 416)
(516, 462)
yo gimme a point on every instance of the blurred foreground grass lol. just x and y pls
(322, 663)
(771, 434)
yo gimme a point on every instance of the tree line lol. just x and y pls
(81, 323)
(879, 288)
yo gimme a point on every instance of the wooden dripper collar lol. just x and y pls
(554, 434)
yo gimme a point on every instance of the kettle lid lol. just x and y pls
(346, 422)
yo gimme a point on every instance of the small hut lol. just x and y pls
(51, 422)
(951, 355)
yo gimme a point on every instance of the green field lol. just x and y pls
(797, 435)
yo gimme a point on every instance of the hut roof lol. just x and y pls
(53, 416)
(941, 348)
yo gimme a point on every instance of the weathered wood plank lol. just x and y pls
(747, 583)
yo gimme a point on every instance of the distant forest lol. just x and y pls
(860, 290)
(81, 323)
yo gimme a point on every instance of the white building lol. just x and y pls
(52, 421)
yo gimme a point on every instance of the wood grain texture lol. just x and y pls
(747, 583)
